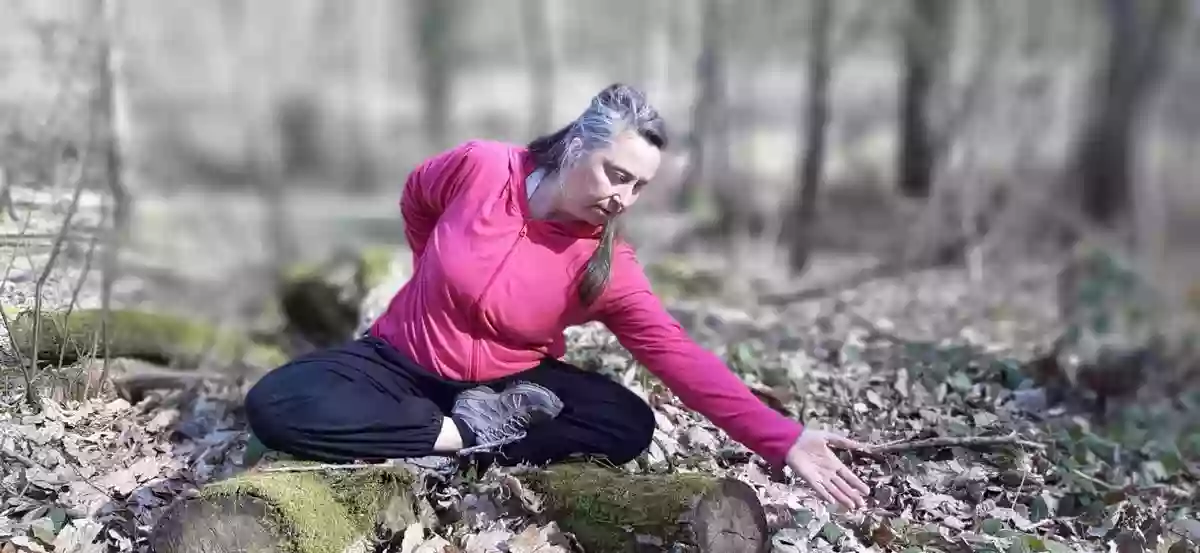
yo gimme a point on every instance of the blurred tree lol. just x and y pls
(361, 119)
(433, 26)
(802, 210)
(1131, 64)
(108, 126)
(926, 34)
(709, 135)
(540, 45)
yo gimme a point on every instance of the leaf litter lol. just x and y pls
(965, 460)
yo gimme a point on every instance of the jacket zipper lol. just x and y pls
(473, 368)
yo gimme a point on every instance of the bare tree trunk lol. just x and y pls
(1139, 31)
(803, 206)
(106, 127)
(926, 43)
(655, 66)
(433, 26)
(362, 127)
(710, 130)
(543, 75)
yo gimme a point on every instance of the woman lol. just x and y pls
(510, 246)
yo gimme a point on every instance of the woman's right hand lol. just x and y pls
(812, 459)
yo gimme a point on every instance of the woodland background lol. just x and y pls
(934, 170)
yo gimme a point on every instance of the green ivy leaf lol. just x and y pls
(992, 526)
(1042, 507)
(832, 532)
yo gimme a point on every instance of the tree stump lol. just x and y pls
(322, 302)
(305, 511)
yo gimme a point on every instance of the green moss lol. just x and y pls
(318, 511)
(156, 337)
(606, 509)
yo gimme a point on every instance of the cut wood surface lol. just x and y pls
(288, 512)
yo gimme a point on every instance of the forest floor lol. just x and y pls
(894, 362)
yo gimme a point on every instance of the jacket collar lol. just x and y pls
(523, 166)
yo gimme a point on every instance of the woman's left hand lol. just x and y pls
(812, 459)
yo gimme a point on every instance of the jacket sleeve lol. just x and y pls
(434, 184)
(699, 377)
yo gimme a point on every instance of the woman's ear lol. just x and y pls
(574, 150)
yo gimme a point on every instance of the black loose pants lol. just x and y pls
(364, 400)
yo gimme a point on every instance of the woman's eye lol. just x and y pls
(616, 177)
(619, 176)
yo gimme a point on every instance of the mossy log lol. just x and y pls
(304, 511)
(612, 511)
(607, 510)
(155, 337)
(322, 301)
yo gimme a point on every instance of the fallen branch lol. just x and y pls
(892, 268)
(133, 381)
(1106, 485)
(326, 467)
(953, 441)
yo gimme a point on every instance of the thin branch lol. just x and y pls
(1106, 485)
(55, 250)
(87, 268)
(880, 270)
(29, 463)
(330, 467)
(7, 272)
(969, 442)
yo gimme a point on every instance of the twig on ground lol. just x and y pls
(953, 441)
(1106, 485)
(842, 307)
(874, 272)
(29, 463)
(328, 467)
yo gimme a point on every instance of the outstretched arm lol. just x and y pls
(699, 377)
(707, 386)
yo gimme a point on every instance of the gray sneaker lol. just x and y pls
(501, 418)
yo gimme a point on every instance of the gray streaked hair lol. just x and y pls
(617, 108)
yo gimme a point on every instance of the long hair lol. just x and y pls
(617, 108)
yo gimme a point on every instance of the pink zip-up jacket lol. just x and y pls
(493, 289)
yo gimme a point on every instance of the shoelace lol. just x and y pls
(495, 437)
(514, 427)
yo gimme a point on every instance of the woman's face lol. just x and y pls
(606, 182)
